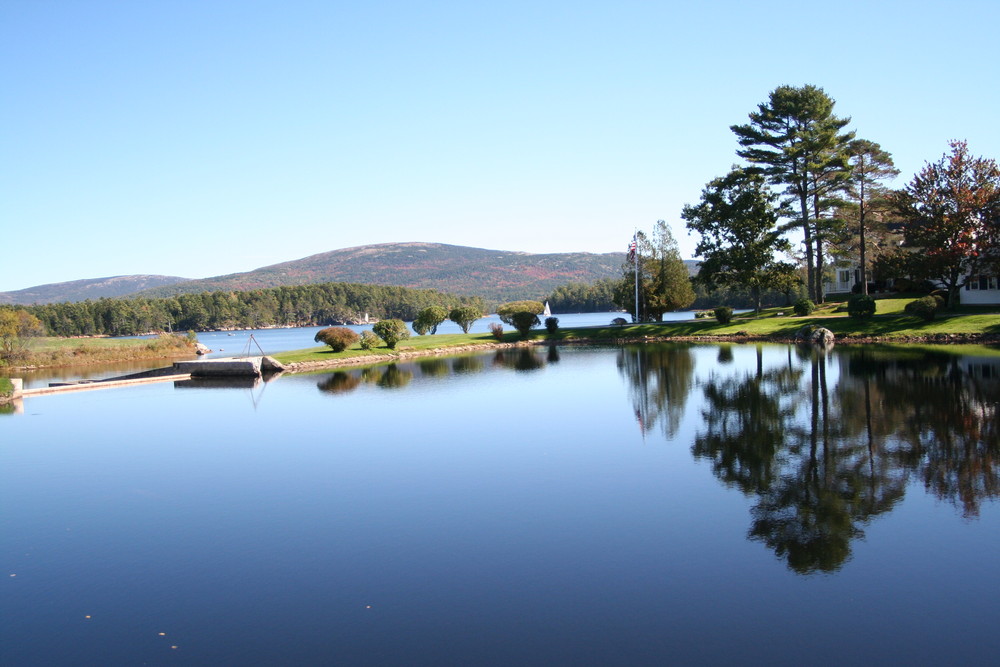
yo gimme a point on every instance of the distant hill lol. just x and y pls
(496, 275)
(81, 290)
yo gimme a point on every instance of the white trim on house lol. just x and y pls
(845, 277)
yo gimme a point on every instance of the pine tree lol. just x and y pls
(664, 282)
(796, 141)
(870, 166)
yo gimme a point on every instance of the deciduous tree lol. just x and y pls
(429, 318)
(391, 332)
(507, 311)
(16, 327)
(951, 213)
(464, 316)
(737, 219)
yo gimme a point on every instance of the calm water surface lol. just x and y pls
(272, 341)
(663, 504)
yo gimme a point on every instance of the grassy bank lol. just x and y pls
(51, 352)
(888, 325)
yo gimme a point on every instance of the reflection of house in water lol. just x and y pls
(937, 411)
(983, 368)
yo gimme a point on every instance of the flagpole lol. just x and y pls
(635, 241)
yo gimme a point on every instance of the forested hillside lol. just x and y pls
(280, 306)
(496, 275)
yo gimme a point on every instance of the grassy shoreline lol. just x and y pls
(771, 325)
(890, 325)
(50, 352)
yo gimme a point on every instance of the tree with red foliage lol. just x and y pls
(951, 213)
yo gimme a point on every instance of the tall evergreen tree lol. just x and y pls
(870, 167)
(796, 141)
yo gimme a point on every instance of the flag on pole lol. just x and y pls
(631, 249)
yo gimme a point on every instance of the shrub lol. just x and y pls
(6, 387)
(523, 321)
(507, 311)
(338, 338)
(464, 316)
(925, 308)
(368, 340)
(497, 331)
(803, 307)
(552, 324)
(861, 307)
(724, 314)
(391, 332)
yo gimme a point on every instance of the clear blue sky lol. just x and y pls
(197, 138)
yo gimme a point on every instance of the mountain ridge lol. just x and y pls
(497, 275)
(493, 274)
(87, 288)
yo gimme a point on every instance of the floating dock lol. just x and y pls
(251, 368)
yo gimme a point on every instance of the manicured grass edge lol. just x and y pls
(956, 329)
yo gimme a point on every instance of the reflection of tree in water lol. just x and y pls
(386, 377)
(745, 418)
(393, 377)
(467, 364)
(942, 410)
(433, 367)
(518, 359)
(816, 482)
(659, 381)
(340, 383)
(553, 355)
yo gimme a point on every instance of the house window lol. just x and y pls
(973, 283)
(994, 283)
(845, 276)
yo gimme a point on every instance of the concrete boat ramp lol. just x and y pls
(227, 368)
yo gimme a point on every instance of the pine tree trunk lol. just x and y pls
(807, 238)
(863, 241)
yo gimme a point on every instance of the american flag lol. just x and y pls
(631, 250)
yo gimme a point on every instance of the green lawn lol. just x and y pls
(889, 322)
(51, 351)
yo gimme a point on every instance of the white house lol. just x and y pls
(845, 276)
(982, 290)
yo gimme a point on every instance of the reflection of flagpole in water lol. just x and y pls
(642, 412)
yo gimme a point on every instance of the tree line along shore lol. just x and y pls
(890, 324)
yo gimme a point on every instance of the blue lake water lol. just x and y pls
(661, 504)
